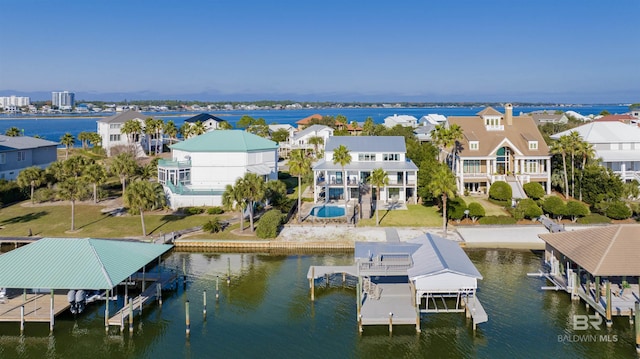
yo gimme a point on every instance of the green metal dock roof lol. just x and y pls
(75, 263)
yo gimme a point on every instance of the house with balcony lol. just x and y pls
(616, 145)
(20, 152)
(500, 147)
(201, 167)
(110, 131)
(367, 153)
(303, 139)
(210, 122)
(402, 120)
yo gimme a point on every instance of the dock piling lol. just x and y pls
(228, 271)
(159, 293)
(217, 288)
(131, 316)
(184, 273)
(187, 322)
(637, 321)
(52, 316)
(204, 301)
(106, 313)
(22, 319)
(608, 309)
(312, 284)
(390, 322)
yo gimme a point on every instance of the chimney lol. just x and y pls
(508, 114)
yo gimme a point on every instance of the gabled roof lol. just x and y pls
(311, 129)
(474, 127)
(75, 263)
(306, 120)
(391, 144)
(618, 118)
(9, 143)
(604, 132)
(225, 141)
(603, 251)
(203, 117)
(124, 117)
(439, 255)
(489, 111)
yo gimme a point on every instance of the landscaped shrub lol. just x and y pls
(283, 175)
(534, 190)
(500, 191)
(190, 211)
(215, 210)
(455, 208)
(618, 210)
(576, 209)
(527, 208)
(475, 211)
(213, 226)
(594, 218)
(10, 192)
(44, 195)
(497, 220)
(554, 206)
(269, 224)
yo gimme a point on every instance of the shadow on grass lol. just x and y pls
(166, 219)
(25, 218)
(104, 216)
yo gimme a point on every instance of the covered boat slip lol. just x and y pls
(397, 281)
(52, 266)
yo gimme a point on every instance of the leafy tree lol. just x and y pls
(342, 156)
(576, 209)
(213, 226)
(67, 140)
(379, 178)
(500, 191)
(245, 121)
(534, 190)
(600, 184)
(456, 209)
(476, 211)
(554, 206)
(280, 135)
(605, 113)
(269, 224)
(143, 196)
(125, 166)
(443, 185)
(299, 166)
(528, 208)
(275, 192)
(618, 210)
(95, 174)
(13, 132)
(31, 177)
(72, 189)
(631, 189)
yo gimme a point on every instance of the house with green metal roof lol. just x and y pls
(202, 166)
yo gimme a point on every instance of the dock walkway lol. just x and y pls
(475, 310)
(394, 305)
(37, 307)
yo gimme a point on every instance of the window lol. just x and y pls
(471, 166)
(474, 145)
(366, 157)
(114, 138)
(3, 158)
(390, 157)
(533, 145)
(115, 125)
(532, 166)
(162, 176)
(22, 155)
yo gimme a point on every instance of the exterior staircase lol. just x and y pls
(516, 188)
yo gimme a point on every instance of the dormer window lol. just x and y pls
(493, 123)
(533, 145)
(474, 145)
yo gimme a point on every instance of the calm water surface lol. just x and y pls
(266, 313)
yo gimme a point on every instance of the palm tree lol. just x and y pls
(149, 130)
(131, 128)
(586, 151)
(342, 156)
(95, 139)
(559, 147)
(171, 130)
(233, 198)
(13, 132)
(316, 141)
(212, 226)
(158, 125)
(224, 125)
(72, 189)
(198, 128)
(143, 196)
(438, 137)
(454, 134)
(31, 176)
(67, 140)
(186, 130)
(125, 166)
(443, 183)
(84, 138)
(444, 138)
(573, 143)
(299, 166)
(95, 174)
(378, 179)
(254, 193)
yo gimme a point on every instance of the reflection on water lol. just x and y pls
(265, 311)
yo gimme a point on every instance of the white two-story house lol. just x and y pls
(367, 153)
(616, 145)
(201, 167)
(110, 131)
(500, 147)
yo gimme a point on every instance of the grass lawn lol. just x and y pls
(416, 215)
(55, 221)
(489, 208)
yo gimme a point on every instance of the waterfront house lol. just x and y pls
(210, 122)
(541, 118)
(616, 145)
(301, 139)
(307, 121)
(20, 152)
(367, 153)
(402, 120)
(109, 129)
(500, 147)
(202, 166)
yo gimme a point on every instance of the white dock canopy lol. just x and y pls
(441, 266)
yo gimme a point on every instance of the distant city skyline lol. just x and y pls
(544, 51)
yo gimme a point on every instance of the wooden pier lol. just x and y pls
(165, 280)
(37, 307)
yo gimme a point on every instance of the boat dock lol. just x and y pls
(161, 281)
(38, 307)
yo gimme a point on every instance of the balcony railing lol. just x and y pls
(186, 191)
(174, 164)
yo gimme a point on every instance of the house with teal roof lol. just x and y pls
(202, 166)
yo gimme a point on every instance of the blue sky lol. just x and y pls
(556, 51)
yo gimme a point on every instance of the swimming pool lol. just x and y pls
(328, 211)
